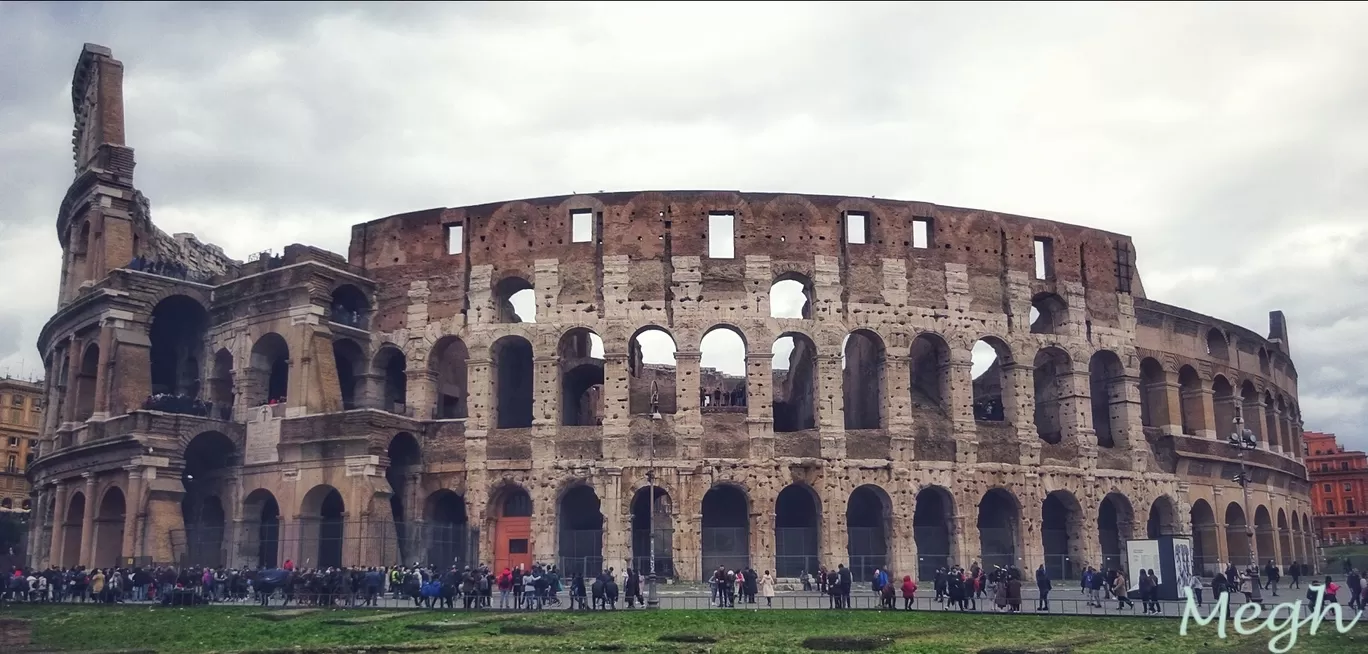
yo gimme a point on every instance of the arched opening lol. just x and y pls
(1285, 429)
(512, 528)
(1205, 556)
(797, 531)
(71, 530)
(6, 503)
(1154, 410)
(726, 529)
(933, 530)
(791, 296)
(1216, 345)
(1061, 533)
(347, 356)
(448, 540)
(1298, 540)
(581, 371)
(405, 466)
(1049, 314)
(1253, 405)
(1115, 525)
(208, 458)
(1163, 520)
(511, 361)
(1190, 391)
(1237, 538)
(869, 521)
(86, 381)
(795, 382)
(651, 372)
(323, 517)
(1284, 541)
(349, 307)
(1264, 535)
(262, 515)
(109, 529)
(1271, 421)
(270, 370)
(929, 363)
(392, 368)
(991, 358)
(178, 334)
(580, 519)
(722, 382)
(221, 393)
(1263, 362)
(1223, 406)
(515, 300)
(448, 364)
(862, 380)
(999, 525)
(1051, 379)
(642, 508)
(1107, 385)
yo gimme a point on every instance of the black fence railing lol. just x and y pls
(183, 404)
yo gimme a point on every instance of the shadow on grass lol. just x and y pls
(687, 638)
(847, 643)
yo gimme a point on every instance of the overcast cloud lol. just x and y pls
(1230, 142)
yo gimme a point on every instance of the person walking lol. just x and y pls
(1195, 585)
(1294, 571)
(909, 591)
(1271, 571)
(1043, 587)
(767, 589)
(1119, 590)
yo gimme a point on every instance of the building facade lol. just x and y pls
(910, 385)
(1339, 490)
(21, 416)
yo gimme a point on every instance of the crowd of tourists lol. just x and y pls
(178, 403)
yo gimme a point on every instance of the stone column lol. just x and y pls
(421, 392)
(102, 381)
(1275, 438)
(961, 406)
(831, 406)
(760, 404)
(902, 545)
(617, 418)
(1171, 421)
(132, 509)
(617, 528)
(688, 419)
(762, 547)
(898, 407)
(1075, 414)
(1209, 428)
(72, 381)
(88, 521)
(59, 509)
(1254, 421)
(1018, 408)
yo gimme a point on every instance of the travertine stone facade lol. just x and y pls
(392, 405)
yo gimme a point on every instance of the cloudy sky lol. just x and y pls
(1231, 142)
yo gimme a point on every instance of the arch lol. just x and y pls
(1163, 518)
(791, 296)
(929, 361)
(581, 361)
(1154, 409)
(863, 380)
(999, 525)
(107, 549)
(869, 524)
(261, 513)
(1115, 525)
(1217, 347)
(991, 358)
(1271, 422)
(6, 503)
(71, 530)
(87, 379)
(1205, 552)
(1049, 314)
(512, 381)
(448, 364)
(391, 367)
(178, 333)
(515, 300)
(579, 517)
(1237, 539)
(1284, 428)
(1223, 406)
(1284, 541)
(349, 306)
(643, 511)
(652, 383)
(797, 531)
(447, 533)
(722, 377)
(1253, 405)
(349, 360)
(1107, 387)
(270, 370)
(795, 382)
(1192, 408)
(405, 464)
(208, 457)
(1264, 535)
(1061, 533)
(1052, 389)
(1263, 362)
(324, 515)
(221, 395)
(512, 517)
(726, 529)
(933, 530)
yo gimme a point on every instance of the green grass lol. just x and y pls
(1335, 554)
(219, 629)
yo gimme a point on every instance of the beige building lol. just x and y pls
(493, 383)
(21, 416)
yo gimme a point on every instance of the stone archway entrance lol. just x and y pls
(513, 529)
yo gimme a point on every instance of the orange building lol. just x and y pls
(1339, 489)
(21, 415)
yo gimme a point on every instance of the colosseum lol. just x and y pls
(808, 380)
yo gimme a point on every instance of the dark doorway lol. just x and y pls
(797, 531)
(580, 546)
(726, 530)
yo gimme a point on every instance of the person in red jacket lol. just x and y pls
(909, 590)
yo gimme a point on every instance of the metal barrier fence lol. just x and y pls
(726, 547)
(326, 542)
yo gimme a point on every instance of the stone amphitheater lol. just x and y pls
(813, 380)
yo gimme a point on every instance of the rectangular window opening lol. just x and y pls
(581, 226)
(517, 546)
(857, 228)
(921, 233)
(455, 237)
(721, 235)
(1044, 258)
(1124, 272)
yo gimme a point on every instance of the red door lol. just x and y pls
(513, 542)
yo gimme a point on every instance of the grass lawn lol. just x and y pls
(1334, 555)
(218, 629)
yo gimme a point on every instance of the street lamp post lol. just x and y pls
(652, 598)
(1244, 441)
